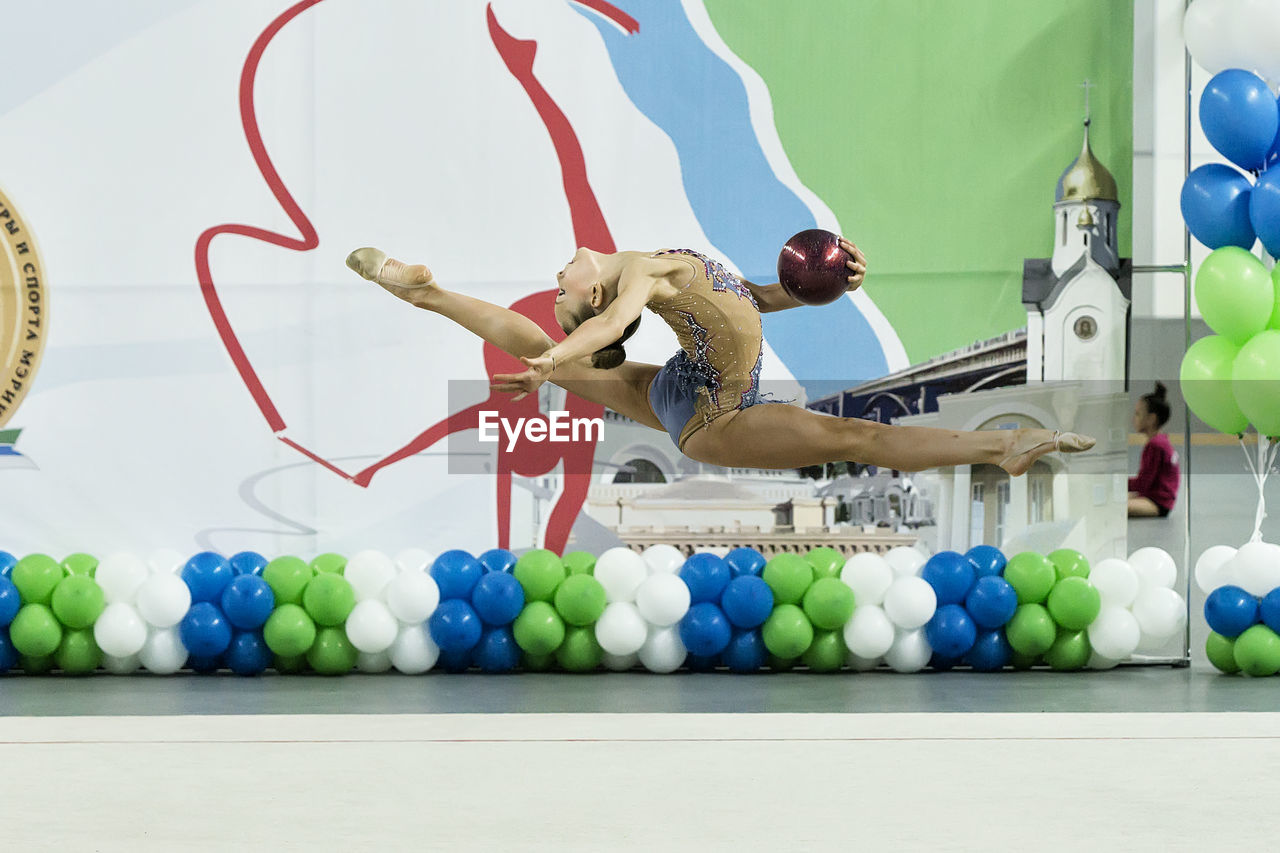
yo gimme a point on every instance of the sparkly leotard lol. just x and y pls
(717, 370)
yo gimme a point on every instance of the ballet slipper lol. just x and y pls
(395, 276)
(1021, 459)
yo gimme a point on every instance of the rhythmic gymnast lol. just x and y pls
(707, 395)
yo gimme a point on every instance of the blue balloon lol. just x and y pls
(8, 654)
(991, 602)
(747, 601)
(248, 653)
(204, 664)
(942, 664)
(10, 601)
(706, 575)
(990, 653)
(986, 560)
(7, 562)
(248, 563)
(497, 560)
(1264, 209)
(745, 561)
(950, 574)
(455, 626)
(205, 631)
(1229, 610)
(498, 598)
(455, 661)
(497, 650)
(1269, 610)
(207, 575)
(247, 602)
(456, 573)
(1215, 206)
(951, 631)
(745, 652)
(704, 630)
(701, 663)
(1240, 117)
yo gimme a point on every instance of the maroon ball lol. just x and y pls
(811, 267)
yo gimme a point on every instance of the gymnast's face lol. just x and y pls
(580, 293)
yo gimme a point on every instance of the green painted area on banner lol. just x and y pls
(936, 132)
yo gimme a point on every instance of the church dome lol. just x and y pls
(1086, 178)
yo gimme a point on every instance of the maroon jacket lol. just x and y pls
(1157, 472)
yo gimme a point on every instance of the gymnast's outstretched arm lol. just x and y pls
(771, 297)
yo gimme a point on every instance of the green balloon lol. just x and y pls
(1205, 379)
(538, 630)
(1031, 631)
(78, 654)
(826, 653)
(1234, 293)
(1031, 575)
(1257, 651)
(42, 665)
(80, 564)
(1074, 603)
(826, 562)
(35, 576)
(788, 575)
(828, 603)
(778, 664)
(1222, 653)
(537, 663)
(1069, 652)
(328, 599)
(540, 572)
(1069, 563)
(580, 563)
(287, 577)
(579, 652)
(35, 631)
(1274, 322)
(1020, 661)
(787, 631)
(333, 564)
(290, 665)
(580, 600)
(289, 631)
(1255, 381)
(78, 601)
(332, 653)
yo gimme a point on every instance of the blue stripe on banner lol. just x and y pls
(739, 202)
(7, 450)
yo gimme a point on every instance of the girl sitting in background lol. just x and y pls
(1153, 492)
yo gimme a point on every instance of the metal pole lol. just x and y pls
(1186, 323)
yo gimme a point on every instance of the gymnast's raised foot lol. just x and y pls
(1028, 445)
(407, 281)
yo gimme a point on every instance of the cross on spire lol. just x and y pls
(1086, 85)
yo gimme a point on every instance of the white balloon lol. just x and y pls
(1115, 633)
(1161, 613)
(1154, 567)
(910, 602)
(413, 560)
(620, 663)
(869, 576)
(120, 665)
(1097, 661)
(861, 664)
(1116, 581)
(663, 651)
(166, 561)
(1209, 568)
(661, 558)
(1258, 33)
(369, 572)
(910, 651)
(414, 652)
(1213, 34)
(373, 661)
(621, 630)
(371, 627)
(120, 631)
(904, 560)
(620, 571)
(163, 652)
(163, 600)
(120, 576)
(662, 599)
(869, 634)
(412, 596)
(1255, 568)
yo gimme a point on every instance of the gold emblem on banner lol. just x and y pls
(24, 309)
